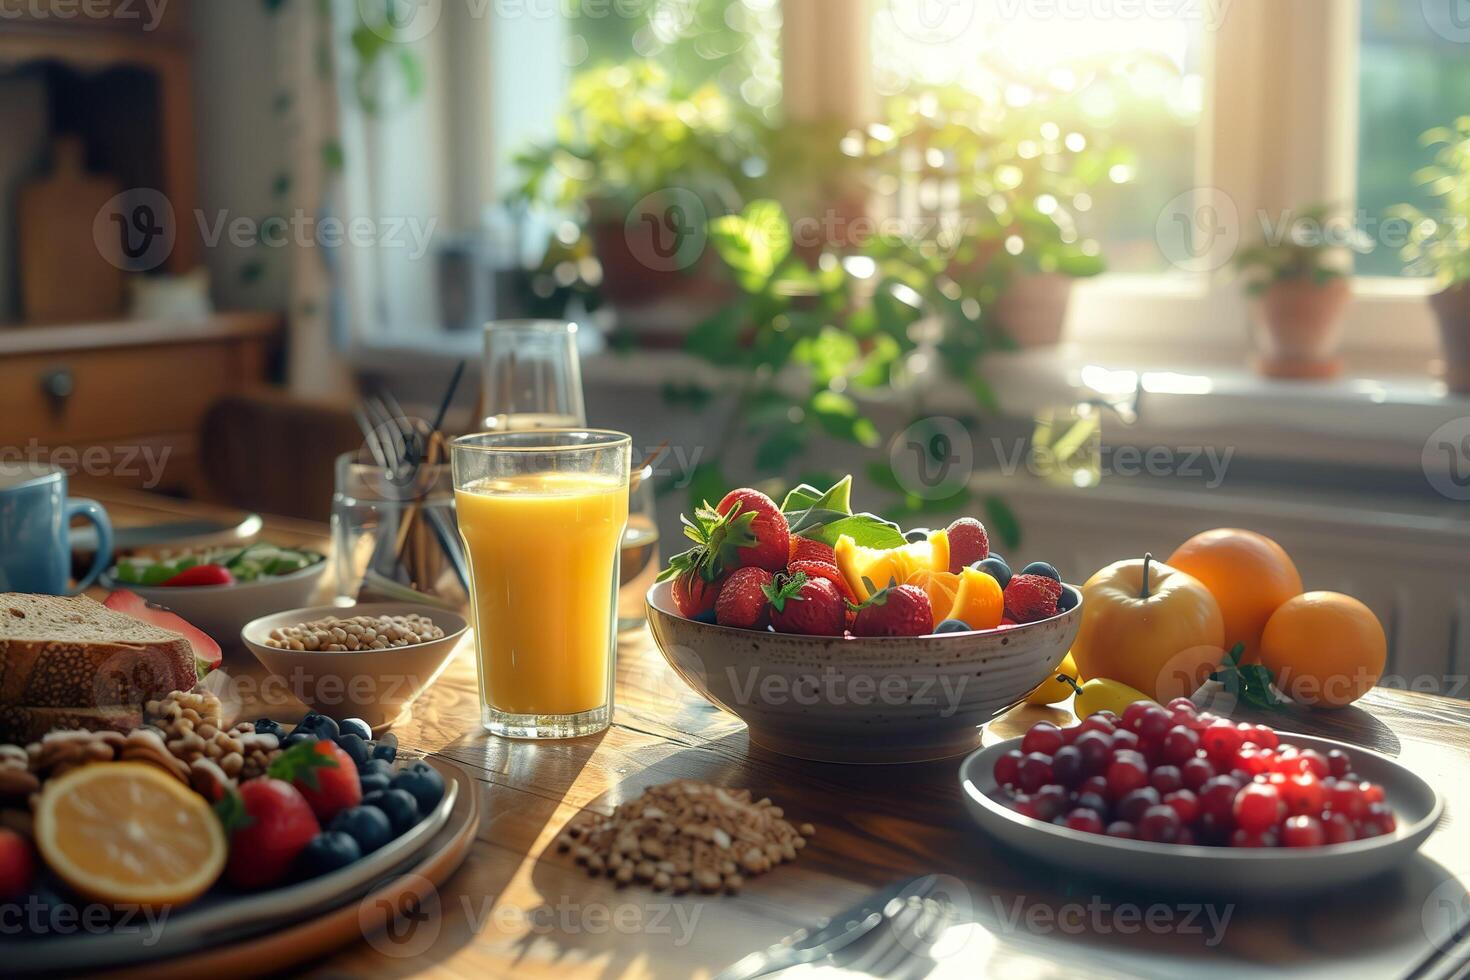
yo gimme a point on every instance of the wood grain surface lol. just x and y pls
(519, 908)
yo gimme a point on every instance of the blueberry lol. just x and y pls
(267, 727)
(367, 825)
(398, 805)
(953, 626)
(708, 616)
(387, 748)
(328, 851)
(423, 782)
(358, 727)
(375, 766)
(1066, 600)
(297, 737)
(319, 725)
(356, 749)
(917, 534)
(1042, 568)
(999, 557)
(373, 781)
(996, 568)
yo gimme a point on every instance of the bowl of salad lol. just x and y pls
(219, 590)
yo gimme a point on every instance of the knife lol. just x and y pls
(841, 930)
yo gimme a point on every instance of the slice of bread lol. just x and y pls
(77, 660)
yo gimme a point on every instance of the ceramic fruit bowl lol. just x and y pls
(861, 699)
(374, 685)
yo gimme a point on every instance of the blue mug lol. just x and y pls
(35, 518)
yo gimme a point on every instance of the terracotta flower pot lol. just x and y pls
(1452, 307)
(1033, 308)
(1299, 328)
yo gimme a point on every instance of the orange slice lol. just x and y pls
(125, 832)
(979, 600)
(941, 587)
(884, 565)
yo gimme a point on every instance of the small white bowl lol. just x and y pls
(374, 685)
(221, 610)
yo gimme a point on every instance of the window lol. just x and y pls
(1415, 73)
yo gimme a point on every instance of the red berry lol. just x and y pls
(1051, 802)
(1304, 794)
(1029, 598)
(1195, 772)
(1338, 829)
(1165, 779)
(1347, 798)
(1185, 803)
(823, 569)
(1253, 838)
(1339, 763)
(1382, 817)
(1096, 750)
(1133, 803)
(323, 774)
(899, 610)
(1180, 745)
(1372, 792)
(1217, 799)
(693, 595)
(270, 825)
(1302, 831)
(1265, 737)
(742, 601)
(1258, 807)
(1133, 714)
(1122, 829)
(17, 865)
(1034, 772)
(1153, 723)
(1066, 765)
(1127, 771)
(1043, 737)
(757, 529)
(1097, 723)
(1123, 739)
(805, 549)
(968, 543)
(1183, 704)
(1314, 762)
(812, 607)
(1085, 820)
(1221, 741)
(1159, 824)
(1008, 768)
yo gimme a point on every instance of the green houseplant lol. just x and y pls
(1298, 277)
(1439, 243)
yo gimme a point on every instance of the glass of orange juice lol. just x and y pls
(542, 514)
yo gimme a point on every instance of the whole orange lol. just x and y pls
(1324, 648)
(1249, 575)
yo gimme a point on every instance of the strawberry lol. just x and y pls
(803, 605)
(823, 569)
(201, 575)
(693, 596)
(899, 610)
(742, 602)
(746, 529)
(764, 523)
(968, 543)
(323, 774)
(1032, 597)
(17, 865)
(805, 549)
(269, 823)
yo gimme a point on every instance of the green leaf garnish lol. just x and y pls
(230, 809)
(301, 761)
(782, 588)
(1250, 683)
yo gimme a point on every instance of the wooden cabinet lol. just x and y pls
(124, 401)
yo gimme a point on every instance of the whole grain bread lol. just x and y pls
(69, 661)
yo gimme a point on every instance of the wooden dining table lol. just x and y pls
(519, 907)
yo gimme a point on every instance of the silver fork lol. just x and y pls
(904, 898)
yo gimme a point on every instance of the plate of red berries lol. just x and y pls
(1178, 798)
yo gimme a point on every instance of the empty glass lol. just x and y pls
(532, 376)
(639, 562)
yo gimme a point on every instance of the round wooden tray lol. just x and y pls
(276, 946)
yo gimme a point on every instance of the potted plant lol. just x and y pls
(643, 167)
(1439, 244)
(1299, 281)
(1017, 178)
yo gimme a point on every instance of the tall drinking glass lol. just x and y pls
(532, 376)
(542, 514)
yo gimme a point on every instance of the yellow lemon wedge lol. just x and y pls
(979, 601)
(884, 565)
(125, 832)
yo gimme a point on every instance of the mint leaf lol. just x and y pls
(1250, 683)
(868, 530)
(805, 497)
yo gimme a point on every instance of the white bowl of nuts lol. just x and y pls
(368, 661)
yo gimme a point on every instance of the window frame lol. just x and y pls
(1279, 131)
